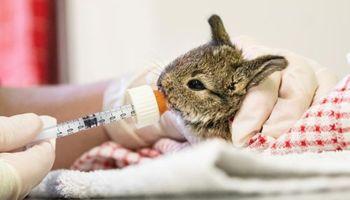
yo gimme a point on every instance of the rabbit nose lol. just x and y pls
(161, 88)
(159, 84)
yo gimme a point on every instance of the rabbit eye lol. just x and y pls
(196, 84)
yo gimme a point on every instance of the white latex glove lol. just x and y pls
(21, 170)
(276, 104)
(125, 132)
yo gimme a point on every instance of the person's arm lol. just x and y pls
(64, 103)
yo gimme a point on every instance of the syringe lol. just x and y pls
(145, 105)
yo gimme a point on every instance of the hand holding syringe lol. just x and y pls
(145, 105)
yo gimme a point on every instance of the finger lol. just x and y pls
(37, 160)
(252, 114)
(326, 80)
(255, 109)
(18, 130)
(47, 122)
(295, 96)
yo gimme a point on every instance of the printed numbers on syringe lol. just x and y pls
(69, 127)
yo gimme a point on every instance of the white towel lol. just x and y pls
(212, 166)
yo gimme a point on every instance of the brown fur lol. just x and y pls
(226, 75)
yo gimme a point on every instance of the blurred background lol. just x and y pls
(80, 41)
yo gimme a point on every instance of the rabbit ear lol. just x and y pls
(219, 35)
(264, 66)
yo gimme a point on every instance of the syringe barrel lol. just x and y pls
(87, 122)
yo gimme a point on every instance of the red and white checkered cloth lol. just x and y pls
(111, 155)
(324, 127)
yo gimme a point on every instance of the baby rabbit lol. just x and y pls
(207, 85)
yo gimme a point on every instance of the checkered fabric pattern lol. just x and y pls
(111, 155)
(324, 127)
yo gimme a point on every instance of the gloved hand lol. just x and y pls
(21, 170)
(272, 107)
(125, 132)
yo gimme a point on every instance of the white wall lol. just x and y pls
(109, 37)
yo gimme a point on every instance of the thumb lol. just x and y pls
(18, 130)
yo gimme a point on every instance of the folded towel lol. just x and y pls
(213, 166)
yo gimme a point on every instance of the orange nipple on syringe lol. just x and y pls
(160, 98)
(148, 104)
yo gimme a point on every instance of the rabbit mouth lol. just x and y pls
(171, 106)
(175, 109)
